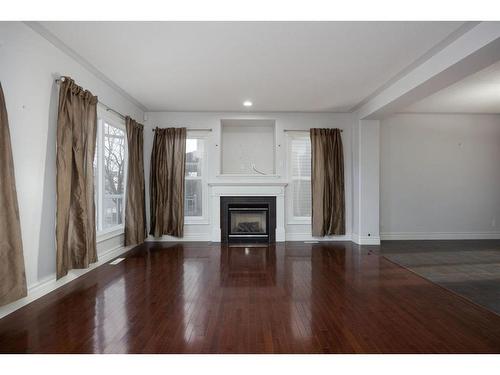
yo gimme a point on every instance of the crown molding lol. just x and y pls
(426, 56)
(58, 43)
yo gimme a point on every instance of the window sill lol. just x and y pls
(109, 233)
(193, 220)
(299, 221)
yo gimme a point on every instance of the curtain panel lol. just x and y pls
(135, 206)
(76, 141)
(327, 182)
(12, 274)
(168, 159)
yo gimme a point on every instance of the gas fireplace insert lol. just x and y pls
(248, 219)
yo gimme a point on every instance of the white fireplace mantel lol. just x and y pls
(248, 183)
(250, 188)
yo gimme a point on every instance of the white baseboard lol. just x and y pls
(280, 235)
(50, 283)
(440, 236)
(192, 237)
(309, 237)
(365, 240)
(205, 237)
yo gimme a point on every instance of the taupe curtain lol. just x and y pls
(76, 139)
(12, 276)
(135, 206)
(167, 182)
(327, 178)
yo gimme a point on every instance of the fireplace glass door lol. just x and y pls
(250, 222)
(249, 219)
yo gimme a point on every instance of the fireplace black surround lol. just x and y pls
(249, 219)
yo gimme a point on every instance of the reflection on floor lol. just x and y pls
(334, 297)
(468, 268)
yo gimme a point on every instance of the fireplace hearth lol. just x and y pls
(248, 219)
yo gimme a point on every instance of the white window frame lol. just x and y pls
(203, 219)
(291, 219)
(113, 120)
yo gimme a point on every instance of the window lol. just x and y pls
(110, 168)
(195, 190)
(300, 176)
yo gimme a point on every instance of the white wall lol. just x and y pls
(366, 161)
(247, 142)
(28, 66)
(283, 121)
(440, 176)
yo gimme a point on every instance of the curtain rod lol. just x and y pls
(108, 108)
(193, 130)
(302, 130)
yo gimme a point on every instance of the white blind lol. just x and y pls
(194, 178)
(301, 175)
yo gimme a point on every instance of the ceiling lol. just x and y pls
(280, 66)
(477, 93)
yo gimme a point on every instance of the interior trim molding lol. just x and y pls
(439, 236)
(365, 240)
(420, 60)
(58, 43)
(109, 235)
(188, 237)
(50, 283)
(308, 237)
(206, 237)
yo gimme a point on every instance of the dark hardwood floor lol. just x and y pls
(288, 298)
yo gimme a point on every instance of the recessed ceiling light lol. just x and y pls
(247, 103)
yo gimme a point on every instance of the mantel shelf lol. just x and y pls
(254, 175)
(248, 183)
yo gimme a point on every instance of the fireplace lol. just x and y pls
(248, 219)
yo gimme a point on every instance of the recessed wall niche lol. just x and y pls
(248, 147)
